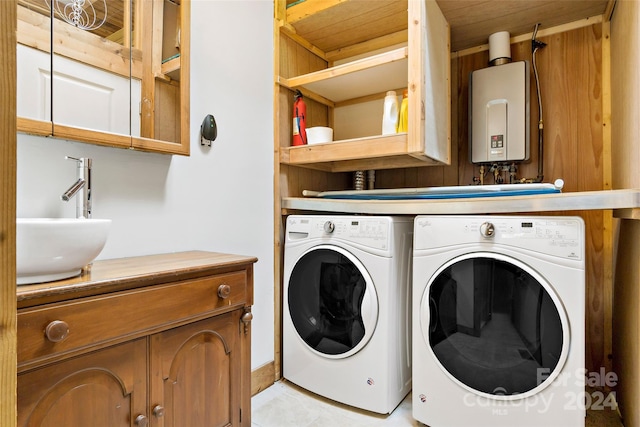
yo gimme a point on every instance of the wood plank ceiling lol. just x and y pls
(472, 21)
(325, 25)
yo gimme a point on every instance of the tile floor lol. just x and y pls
(286, 405)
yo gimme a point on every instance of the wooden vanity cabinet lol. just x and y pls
(169, 354)
(193, 371)
(102, 388)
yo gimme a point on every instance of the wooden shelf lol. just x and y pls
(368, 76)
(359, 81)
(171, 68)
(332, 25)
(372, 152)
(623, 201)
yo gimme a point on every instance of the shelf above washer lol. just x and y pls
(626, 204)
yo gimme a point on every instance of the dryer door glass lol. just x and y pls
(493, 326)
(330, 302)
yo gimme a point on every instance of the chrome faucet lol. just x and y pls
(83, 200)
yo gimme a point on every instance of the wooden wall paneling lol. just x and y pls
(625, 157)
(559, 118)
(626, 323)
(571, 85)
(396, 178)
(607, 216)
(625, 82)
(596, 355)
(425, 176)
(465, 65)
(8, 415)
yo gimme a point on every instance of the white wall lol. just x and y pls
(218, 199)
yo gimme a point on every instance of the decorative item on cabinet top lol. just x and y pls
(86, 15)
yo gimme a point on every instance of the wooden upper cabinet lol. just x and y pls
(163, 35)
(33, 64)
(363, 50)
(110, 83)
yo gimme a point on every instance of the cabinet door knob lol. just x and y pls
(141, 421)
(57, 331)
(246, 319)
(224, 291)
(158, 411)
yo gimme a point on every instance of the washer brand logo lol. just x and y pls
(424, 223)
(370, 381)
(423, 398)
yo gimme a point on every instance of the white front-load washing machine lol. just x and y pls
(498, 321)
(346, 308)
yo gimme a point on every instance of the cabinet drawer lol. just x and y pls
(99, 320)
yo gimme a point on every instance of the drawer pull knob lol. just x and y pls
(224, 291)
(141, 421)
(57, 331)
(158, 411)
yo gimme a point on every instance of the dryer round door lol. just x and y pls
(332, 301)
(494, 325)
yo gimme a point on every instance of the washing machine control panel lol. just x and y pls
(372, 232)
(487, 229)
(329, 226)
(555, 236)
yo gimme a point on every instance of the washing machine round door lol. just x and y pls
(494, 325)
(332, 301)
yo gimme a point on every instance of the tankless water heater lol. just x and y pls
(499, 113)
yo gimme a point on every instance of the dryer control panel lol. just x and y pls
(555, 236)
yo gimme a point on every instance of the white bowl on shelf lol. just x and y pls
(319, 135)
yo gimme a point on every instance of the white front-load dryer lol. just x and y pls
(346, 308)
(498, 321)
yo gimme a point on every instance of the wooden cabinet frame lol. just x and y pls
(422, 66)
(164, 100)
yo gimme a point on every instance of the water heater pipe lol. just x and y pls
(535, 46)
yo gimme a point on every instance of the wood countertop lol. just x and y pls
(625, 204)
(104, 276)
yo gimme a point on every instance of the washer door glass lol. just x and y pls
(493, 326)
(332, 302)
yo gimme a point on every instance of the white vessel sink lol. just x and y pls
(49, 249)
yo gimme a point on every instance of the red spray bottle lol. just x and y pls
(299, 120)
